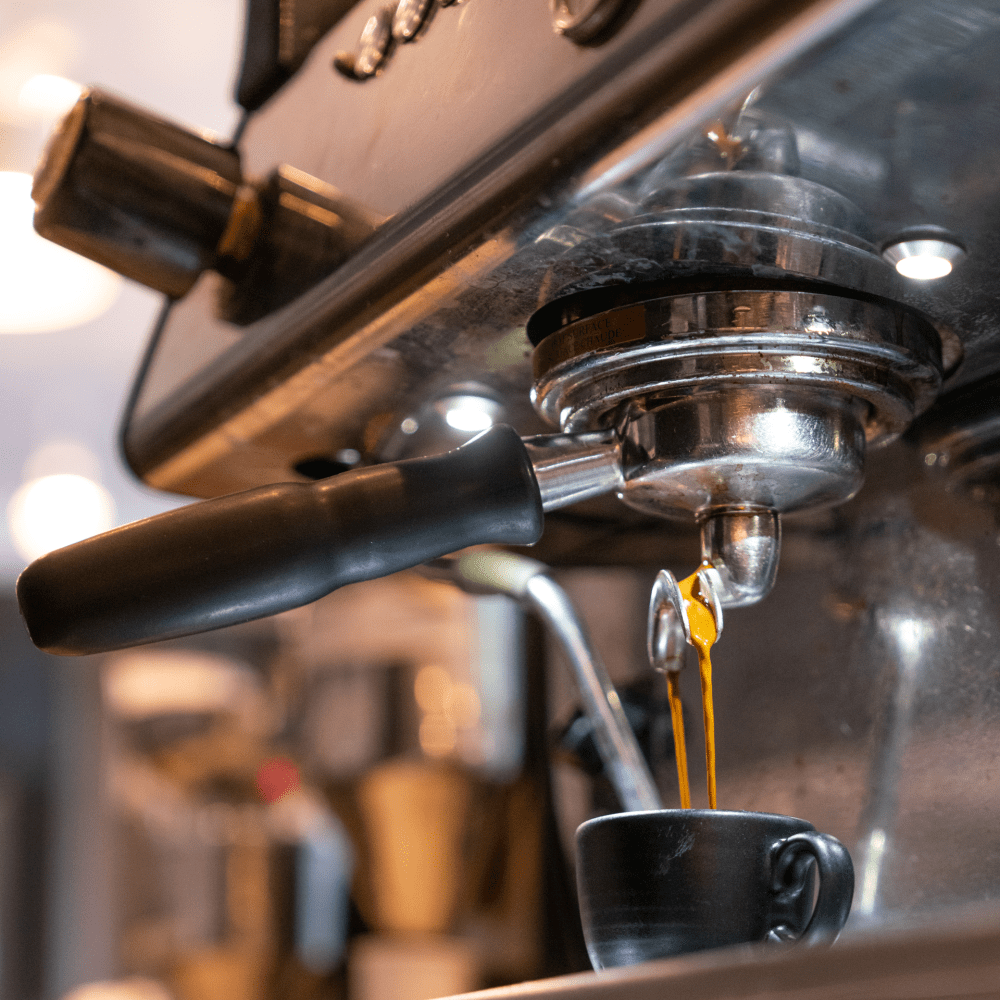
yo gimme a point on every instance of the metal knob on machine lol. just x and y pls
(160, 205)
(136, 193)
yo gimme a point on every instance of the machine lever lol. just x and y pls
(251, 554)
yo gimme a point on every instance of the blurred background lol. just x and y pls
(69, 353)
(182, 822)
(71, 336)
(76, 782)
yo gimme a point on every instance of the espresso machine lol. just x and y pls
(639, 285)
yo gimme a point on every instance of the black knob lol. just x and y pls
(160, 205)
(307, 229)
(138, 194)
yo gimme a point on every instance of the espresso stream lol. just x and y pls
(701, 622)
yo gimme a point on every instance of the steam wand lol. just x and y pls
(529, 582)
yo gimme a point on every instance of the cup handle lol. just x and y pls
(836, 885)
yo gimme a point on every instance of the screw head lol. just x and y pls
(923, 255)
(409, 18)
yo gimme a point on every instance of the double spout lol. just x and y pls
(742, 543)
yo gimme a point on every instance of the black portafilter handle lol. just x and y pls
(240, 557)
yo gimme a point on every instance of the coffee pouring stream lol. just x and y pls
(689, 611)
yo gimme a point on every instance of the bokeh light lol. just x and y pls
(276, 778)
(48, 96)
(43, 286)
(132, 988)
(53, 511)
(151, 682)
(448, 707)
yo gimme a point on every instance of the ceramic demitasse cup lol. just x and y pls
(656, 884)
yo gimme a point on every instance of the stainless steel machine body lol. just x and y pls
(664, 241)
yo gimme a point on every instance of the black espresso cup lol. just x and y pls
(656, 884)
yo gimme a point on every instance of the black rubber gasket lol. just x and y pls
(589, 302)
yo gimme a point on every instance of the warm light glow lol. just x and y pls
(53, 511)
(463, 706)
(468, 416)
(448, 707)
(32, 46)
(144, 683)
(48, 95)
(431, 688)
(62, 455)
(134, 988)
(437, 735)
(43, 286)
(923, 268)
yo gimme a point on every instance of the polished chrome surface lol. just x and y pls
(418, 305)
(942, 254)
(667, 624)
(961, 440)
(297, 227)
(739, 546)
(884, 356)
(738, 399)
(743, 220)
(529, 582)
(743, 547)
(627, 770)
(744, 446)
(372, 48)
(409, 18)
(162, 205)
(761, 196)
(144, 196)
(574, 467)
(667, 627)
(220, 411)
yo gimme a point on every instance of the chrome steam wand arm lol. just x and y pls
(528, 581)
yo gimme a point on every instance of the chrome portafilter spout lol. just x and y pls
(743, 547)
(741, 543)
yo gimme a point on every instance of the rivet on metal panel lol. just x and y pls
(409, 18)
(373, 48)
